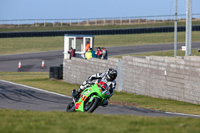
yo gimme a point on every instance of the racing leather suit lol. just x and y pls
(100, 77)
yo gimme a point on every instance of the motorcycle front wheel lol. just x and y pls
(91, 106)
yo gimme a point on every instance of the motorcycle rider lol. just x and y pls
(108, 77)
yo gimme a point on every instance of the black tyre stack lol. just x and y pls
(56, 72)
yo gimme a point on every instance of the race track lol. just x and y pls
(20, 97)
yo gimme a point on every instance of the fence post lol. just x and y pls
(10, 23)
(53, 22)
(18, 22)
(70, 22)
(129, 20)
(146, 19)
(44, 23)
(138, 20)
(36, 22)
(112, 21)
(95, 21)
(120, 80)
(87, 21)
(61, 22)
(78, 22)
(163, 19)
(104, 21)
(27, 21)
(120, 20)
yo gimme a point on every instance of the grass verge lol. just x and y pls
(37, 44)
(59, 122)
(169, 53)
(40, 80)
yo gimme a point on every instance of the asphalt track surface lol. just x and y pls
(31, 62)
(20, 97)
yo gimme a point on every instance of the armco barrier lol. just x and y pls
(95, 32)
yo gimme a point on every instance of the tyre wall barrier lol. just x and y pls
(96, 32)
(56, 72)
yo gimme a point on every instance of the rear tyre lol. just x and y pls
(70, 107)
(91, 106)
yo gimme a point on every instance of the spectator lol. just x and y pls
(104, 54)
(93, 53)
(88, 54)
(87, 46)
(71, 53)
(98, 53)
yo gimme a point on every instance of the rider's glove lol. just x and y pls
(89, 82)
(85, 82)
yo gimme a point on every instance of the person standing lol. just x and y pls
(72, 53)
(98, 53)
(87, 46)
(104, 54)
(88, 54)
(93, 53)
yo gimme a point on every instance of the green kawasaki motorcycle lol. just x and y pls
(90, 98)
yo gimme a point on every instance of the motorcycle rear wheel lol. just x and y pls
(70, 107)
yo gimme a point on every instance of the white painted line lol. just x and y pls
(33, 53)
(191, 115)
(34, 88)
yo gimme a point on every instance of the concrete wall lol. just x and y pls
(163, 77)
(78, 70)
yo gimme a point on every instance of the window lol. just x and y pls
(79, 44)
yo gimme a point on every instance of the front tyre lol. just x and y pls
(70, 107)
(91, 106)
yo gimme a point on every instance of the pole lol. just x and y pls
(175, 30)
(188, 27)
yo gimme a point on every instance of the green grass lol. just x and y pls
(61, 122)
(31, 44)
(40, 80)
(37, 44)
(169, 53)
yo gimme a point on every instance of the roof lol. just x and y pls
(79, 35)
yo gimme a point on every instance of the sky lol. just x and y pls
(66, 9)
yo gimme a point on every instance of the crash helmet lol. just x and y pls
(111, 74)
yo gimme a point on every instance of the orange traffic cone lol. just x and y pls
(42, 63)
(19, 65)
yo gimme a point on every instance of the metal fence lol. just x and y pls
(96, 21)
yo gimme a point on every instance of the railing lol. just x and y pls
(96, 21)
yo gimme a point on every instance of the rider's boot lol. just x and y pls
(104, 103)
(73, 92)
(76, 93)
